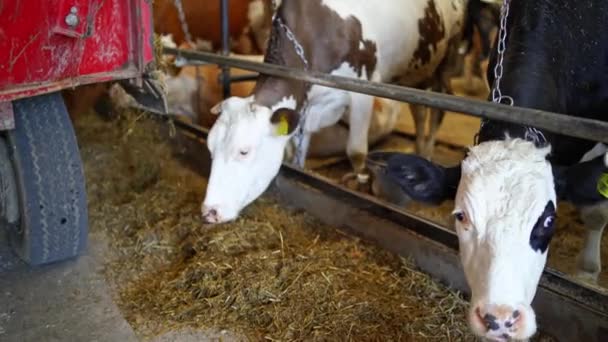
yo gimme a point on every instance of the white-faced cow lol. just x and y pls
(400, 41)
(506, 188)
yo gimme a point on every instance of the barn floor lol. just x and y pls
(152, 272)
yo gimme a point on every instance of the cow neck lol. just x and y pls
(270, 90)
(500, 130)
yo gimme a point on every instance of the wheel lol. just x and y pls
(9, 200)
(49, 181)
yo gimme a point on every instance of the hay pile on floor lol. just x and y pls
(280, 275)
(273, 274)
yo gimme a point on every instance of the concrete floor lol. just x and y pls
(68, 301)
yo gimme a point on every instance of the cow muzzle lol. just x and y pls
(213, 214)
(503, 322)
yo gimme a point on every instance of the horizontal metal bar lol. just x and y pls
(558, 123)
(243, 78)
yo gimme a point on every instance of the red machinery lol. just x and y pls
(47, 46)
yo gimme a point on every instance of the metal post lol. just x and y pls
(225, 27)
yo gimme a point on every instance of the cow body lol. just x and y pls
(481, 23)
(506, 189)
(399, 41)
(204, 22)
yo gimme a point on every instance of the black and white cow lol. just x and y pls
(506, 188)
(398, 41)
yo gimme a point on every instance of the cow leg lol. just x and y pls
(437, 115)
(589, 261)
(360, 115)
(419, 115)
(436, 120)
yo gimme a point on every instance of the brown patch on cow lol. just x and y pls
(377, 105)
(327, 40)
(432, 31)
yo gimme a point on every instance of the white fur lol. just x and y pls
(504, 188)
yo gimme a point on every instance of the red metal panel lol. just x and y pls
(108, 46)
(40, 51)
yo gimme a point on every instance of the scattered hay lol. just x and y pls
(273, 274)
(280, 275)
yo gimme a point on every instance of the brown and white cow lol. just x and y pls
(398, 41)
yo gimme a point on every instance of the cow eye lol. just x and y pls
(460, 216)
(243, 152)
(549, 222)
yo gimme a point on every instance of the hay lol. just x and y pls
(274, 274)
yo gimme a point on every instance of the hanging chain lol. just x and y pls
(182, 19)
(497, 95)
(531, 134)
(296, 45)
(299, 157)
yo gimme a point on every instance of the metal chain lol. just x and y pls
(299, 158)
(532, 134)
(497, 95)
(182, 19)
(297, 46)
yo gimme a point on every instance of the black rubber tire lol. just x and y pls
(9, 199)
(50, 182)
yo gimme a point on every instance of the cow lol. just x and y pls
(398, 41)
(506, 188)
(482, 20)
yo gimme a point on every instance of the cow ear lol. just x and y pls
(422, 180)
(217, 109)
(284, 121)
(584, 183)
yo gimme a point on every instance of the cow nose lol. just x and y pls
(502, 322)
(210, 214)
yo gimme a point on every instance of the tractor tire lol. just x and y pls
(50, 183)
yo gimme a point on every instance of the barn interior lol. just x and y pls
(155, 272)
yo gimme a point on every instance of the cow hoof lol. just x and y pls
(358, 182)
(587, 278)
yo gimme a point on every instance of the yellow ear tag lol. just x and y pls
(283, 126)
(602, 185)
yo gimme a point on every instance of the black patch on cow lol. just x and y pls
(577, 184)
(432, 31)
(543, 229)
(422, 180)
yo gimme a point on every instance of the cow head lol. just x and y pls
(246, 143)
(505, 209)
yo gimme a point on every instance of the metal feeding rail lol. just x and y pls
(565, 309)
